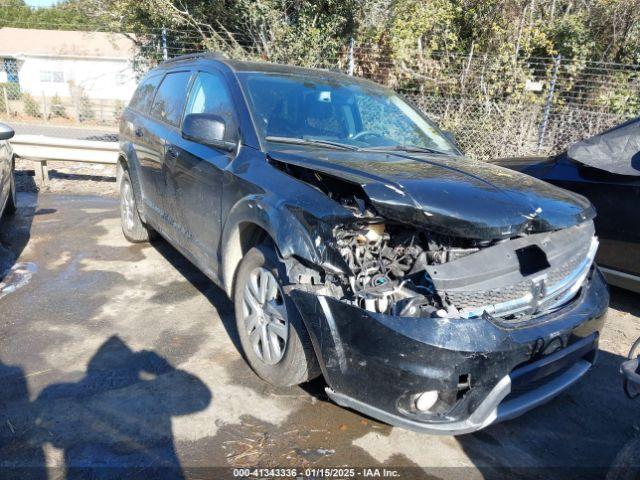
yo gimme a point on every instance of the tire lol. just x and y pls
(632, 390)
(132, 227)
(12, 200)
(295, 362)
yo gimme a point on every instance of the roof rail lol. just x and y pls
(191, 56)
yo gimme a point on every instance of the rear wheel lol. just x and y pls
(133, 228)
(273, 337)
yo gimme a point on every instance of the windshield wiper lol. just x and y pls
(404, 148)
(309, 141)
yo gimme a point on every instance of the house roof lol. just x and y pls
(64, 43)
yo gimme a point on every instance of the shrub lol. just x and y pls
(57, 107)
(85, 110)
(82, 102)
(31, 107)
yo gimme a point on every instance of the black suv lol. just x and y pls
(431, 291)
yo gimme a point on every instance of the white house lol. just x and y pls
(52, 62)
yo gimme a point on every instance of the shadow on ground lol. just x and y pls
(113, 423)
(625, 301)
(214, 294)
(104, 137)
(55, 174)
(15, 232)
(15, 229)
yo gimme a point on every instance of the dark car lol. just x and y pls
(605, 169)
(430, 291)
(7, 177)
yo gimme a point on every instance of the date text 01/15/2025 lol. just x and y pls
(327, 472)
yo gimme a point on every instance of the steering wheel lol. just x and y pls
(366, 133)
(631, 385)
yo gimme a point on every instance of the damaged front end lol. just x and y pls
(437, 331)
(400, 271)
(394, 267)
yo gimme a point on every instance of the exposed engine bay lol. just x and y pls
(406, 272)
(389, 264)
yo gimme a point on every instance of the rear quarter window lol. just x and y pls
(143, 96)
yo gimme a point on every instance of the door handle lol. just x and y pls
(139, 132)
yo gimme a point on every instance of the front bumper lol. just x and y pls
(484, 370)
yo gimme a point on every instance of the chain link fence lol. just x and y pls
(495, 106)
(491, 130)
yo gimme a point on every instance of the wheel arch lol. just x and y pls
(252, 221)
(243, 236)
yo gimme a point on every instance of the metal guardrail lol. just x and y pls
(40, 149)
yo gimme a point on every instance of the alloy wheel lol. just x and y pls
(128, 206)
(265, 316)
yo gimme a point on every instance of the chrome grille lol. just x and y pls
(559, 285)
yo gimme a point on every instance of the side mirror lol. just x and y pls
(208, 129)
(6, 132)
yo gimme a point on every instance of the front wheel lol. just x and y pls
(133, 228)
(273, 337)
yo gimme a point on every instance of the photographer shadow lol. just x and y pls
(116, 421)
(21, 455)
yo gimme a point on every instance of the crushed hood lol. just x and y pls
(449, 195)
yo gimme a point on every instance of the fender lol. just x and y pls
(264, 211)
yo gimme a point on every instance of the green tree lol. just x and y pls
(483, 48)
(65, 15)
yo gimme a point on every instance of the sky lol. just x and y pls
(40, 3)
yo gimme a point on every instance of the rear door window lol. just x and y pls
(141, 100)
(172, 94)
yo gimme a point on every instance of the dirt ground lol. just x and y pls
(65, 177)
(124, 356)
